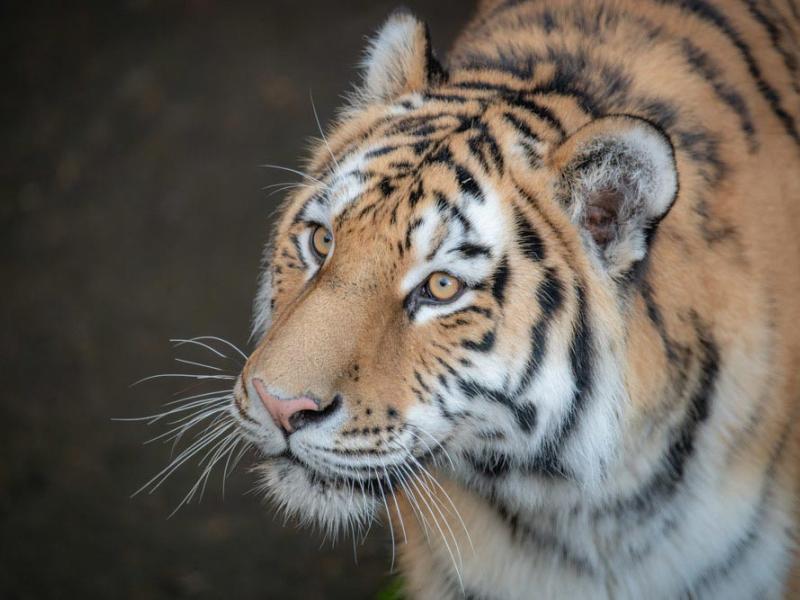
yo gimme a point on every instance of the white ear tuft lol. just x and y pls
(398, 60)
(617, 180)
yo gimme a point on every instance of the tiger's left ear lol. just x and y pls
(399, 60)
(616, 179)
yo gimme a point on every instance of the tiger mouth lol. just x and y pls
(374, 486)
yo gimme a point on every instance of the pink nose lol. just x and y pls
(283, 410)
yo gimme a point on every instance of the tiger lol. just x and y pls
(538, 305)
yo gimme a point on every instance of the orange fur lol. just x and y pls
(726, 254)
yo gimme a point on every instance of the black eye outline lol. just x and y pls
(422, 294)
(429, 295)
(315, 227)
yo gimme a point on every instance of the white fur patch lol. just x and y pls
(388, 59)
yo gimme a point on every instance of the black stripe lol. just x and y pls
(492, 464)
(421, 146)
(454, 98)
(413, 226)
(467, 183)
(581, 358)
(704, 66)
(485, 344)
(500, 281)
(380, 151)
(447, 366)
(702, 147)
(299, 216)
(485, 140)
(476, 150)
(789, 60)
(524, 415)
(547, 461)
(664, 114)
(520, 126)
(550, 297)
(538, 345)
(519, 99)
(472, 250)
(550, 293)
(753, 532)
(443, 205)
(422, 384)
(669, 475)
(415, 195)
(529, 240)
(542, 112)
(486, 87)
(705, 11)
(296, 243)
(546, 542)
(386, 187)
(440, 155)
(486, 312)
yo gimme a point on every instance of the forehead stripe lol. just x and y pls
(469, 250)
(467, 183)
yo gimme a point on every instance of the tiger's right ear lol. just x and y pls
(398, 60)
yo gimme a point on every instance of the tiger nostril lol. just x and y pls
(290, 414)
(306, 417)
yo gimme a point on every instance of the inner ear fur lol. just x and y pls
(616, 178)
(398, 60)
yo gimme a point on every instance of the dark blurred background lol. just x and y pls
(132, 211)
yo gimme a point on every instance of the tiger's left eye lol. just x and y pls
(443, 287)
(321, 241)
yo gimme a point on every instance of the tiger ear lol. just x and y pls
(617, 178)
(398, 60)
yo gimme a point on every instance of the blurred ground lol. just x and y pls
(132, 212)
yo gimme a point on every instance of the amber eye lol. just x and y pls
(321, 241)
(443, 287)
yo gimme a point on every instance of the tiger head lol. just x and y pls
(448, 288)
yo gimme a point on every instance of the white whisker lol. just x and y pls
(178, 342)
(396, 506)
(231, 345)
(226, 392)
(186, 422)
(429, 476)
(159, 416)
(197, 364)
(185, 455)
(457, 564)
(287, 187)
(388, 518)
(437, 442)
(321, 132)
(183, 375)
(296, 172)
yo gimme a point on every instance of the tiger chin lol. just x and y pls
(539, 304)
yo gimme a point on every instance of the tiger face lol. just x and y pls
(448, 289)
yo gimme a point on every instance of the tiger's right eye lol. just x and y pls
(321, 242)
(443, 287)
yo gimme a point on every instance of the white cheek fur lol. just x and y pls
(335, 509)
